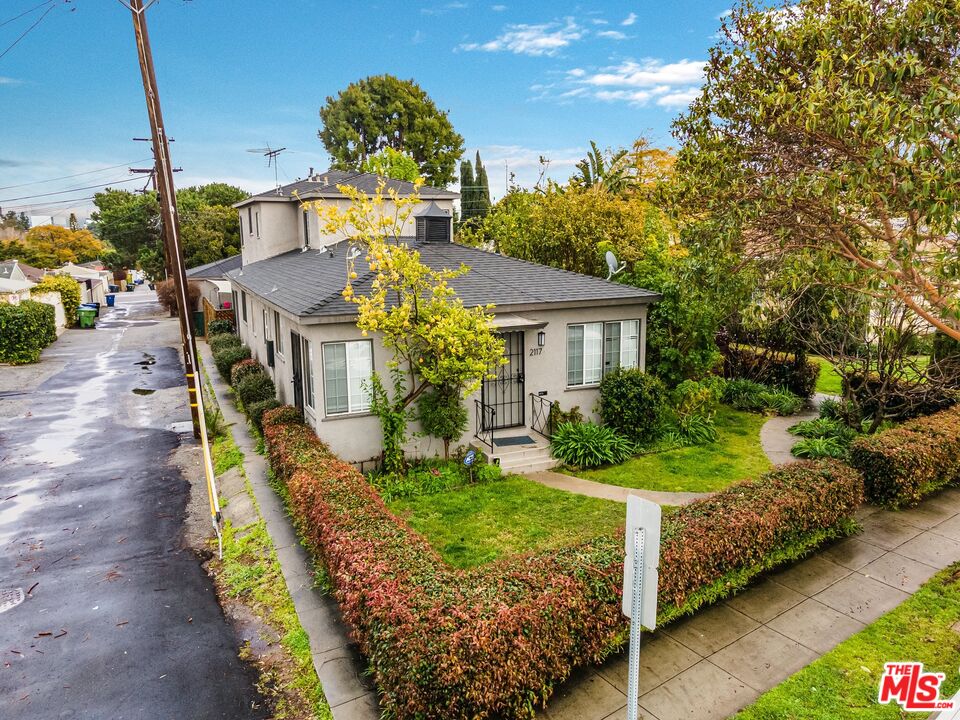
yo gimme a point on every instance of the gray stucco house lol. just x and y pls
(562, 330)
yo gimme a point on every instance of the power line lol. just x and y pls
(26, 32)
(26, 12)
(67, 177)
(68, 190)
(39, 206)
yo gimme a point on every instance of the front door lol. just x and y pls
(505, 392)
(297, 366)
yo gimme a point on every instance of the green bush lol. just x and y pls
(824, 428)
(443, 415)
(697, 429)
(783, 402)
(902, 465)
(25, 330)
(815, 448)
(227, 357)
(633, 403)
(243, 369)
(220, 342)
(756, 397)
(219, 327)
(432, 476)
(256, 410)
(772, 368)
(69, 290)
(558, 416)
(588, 445)
(255, 388)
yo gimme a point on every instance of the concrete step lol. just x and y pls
(532, 466)
(517, 453)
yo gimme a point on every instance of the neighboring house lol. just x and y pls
(14, 290)
(93, 283)
(11, 270)
(561, 330)
(214, 282)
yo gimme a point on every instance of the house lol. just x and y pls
(561, 330)
(93, 283)
(213, 281)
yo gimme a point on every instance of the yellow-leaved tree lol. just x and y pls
(438, 345)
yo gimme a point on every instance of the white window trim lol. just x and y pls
(277, 335)
(310, 388)
(603, 348)
(349, 411)
(257, 217)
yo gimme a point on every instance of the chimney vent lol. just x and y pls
(310, 174)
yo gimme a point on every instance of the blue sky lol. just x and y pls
(520, 80)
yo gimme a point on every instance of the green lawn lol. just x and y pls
(480, 523)
(829, 380)
(735, 456)
(844, 682)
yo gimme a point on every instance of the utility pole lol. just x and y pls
(171, 235)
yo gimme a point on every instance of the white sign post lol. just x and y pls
(642, 556)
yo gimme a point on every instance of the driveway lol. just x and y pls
(119, 619)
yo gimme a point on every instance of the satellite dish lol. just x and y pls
(612, 265)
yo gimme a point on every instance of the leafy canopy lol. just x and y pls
(832, 125)
(383, 111)
(392, 164)
(50, 246)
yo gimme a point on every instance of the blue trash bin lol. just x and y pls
(111, 299)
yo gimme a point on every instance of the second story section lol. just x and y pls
(274, 222)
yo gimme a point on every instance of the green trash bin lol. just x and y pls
(198, 324)
(87, 317)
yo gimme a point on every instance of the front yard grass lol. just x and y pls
(735, 456)
(479, 523)
(829, 381)
(844, 682)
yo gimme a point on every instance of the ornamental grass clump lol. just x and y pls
(586, 445)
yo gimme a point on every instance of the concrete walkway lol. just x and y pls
(775, 439)
(580, 486)
(721, 659)
(338, 663)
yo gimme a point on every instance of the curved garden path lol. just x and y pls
(559, 481)
(776, 441)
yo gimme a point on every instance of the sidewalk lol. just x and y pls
(742, 647)
(580, 486)
(349, 692)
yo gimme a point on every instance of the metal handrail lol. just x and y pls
(541, 419)
(483, 419)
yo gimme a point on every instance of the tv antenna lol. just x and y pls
(612, 265)
(271, 155)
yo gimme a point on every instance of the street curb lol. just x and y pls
(339, 665)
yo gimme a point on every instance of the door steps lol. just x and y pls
(521, 459)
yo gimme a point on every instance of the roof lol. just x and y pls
(308, 284)
(11, 286)
(7, 270)
(433, 211)
(215, 270)
(324, 185)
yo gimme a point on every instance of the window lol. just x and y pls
(277, 334)
(307, 356)
(306, 229)
(258, 223)
(347, 368)
(240, 218)
(250, 219)
(266, 326)
(593, 349)
(243, 304)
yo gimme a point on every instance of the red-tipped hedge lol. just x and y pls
(902, 465)
(492, 641)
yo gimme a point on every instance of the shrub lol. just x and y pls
(755, 397)
(633, 403)
(243, 369)
(783, 402)
(814, 448)
(697, 429)
(443, 415)
(69, 290)
(558, 416)
(903, 464)
(492, 641)
(588, 445)
(255, 411)
(219, 342)
(219, 327)
(167, 295)
(430, 477)
(824, 428)
(25, 330)
(227, 357)
(254, 388)
(773, 368)
(283, 415)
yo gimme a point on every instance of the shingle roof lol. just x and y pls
(325, 185)
(6, 268)
(308, 284)
(217, 269)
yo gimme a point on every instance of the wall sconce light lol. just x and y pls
(541, 338)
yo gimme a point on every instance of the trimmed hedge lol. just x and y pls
(255, 387)
(69, 290)
(256, 410)
(902, 465)
(25, 330)
(243, 369)
(220, 327)
(633, 403)
(227, 357)
(223, 341)
(771, 367)
(492, 641)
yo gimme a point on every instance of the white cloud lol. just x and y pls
(498, 8)
(536, 40)
(630, 19)
(441, 9)
(726, 13)
(418, 37)
(634, 97)
(612, 35)
(679, 98)
(524, 164)
(649, 73)
(576, 72)
(9, 81)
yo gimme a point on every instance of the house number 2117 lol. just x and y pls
(536, 351)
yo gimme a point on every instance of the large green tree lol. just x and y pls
(834, 126)
(383, 111)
